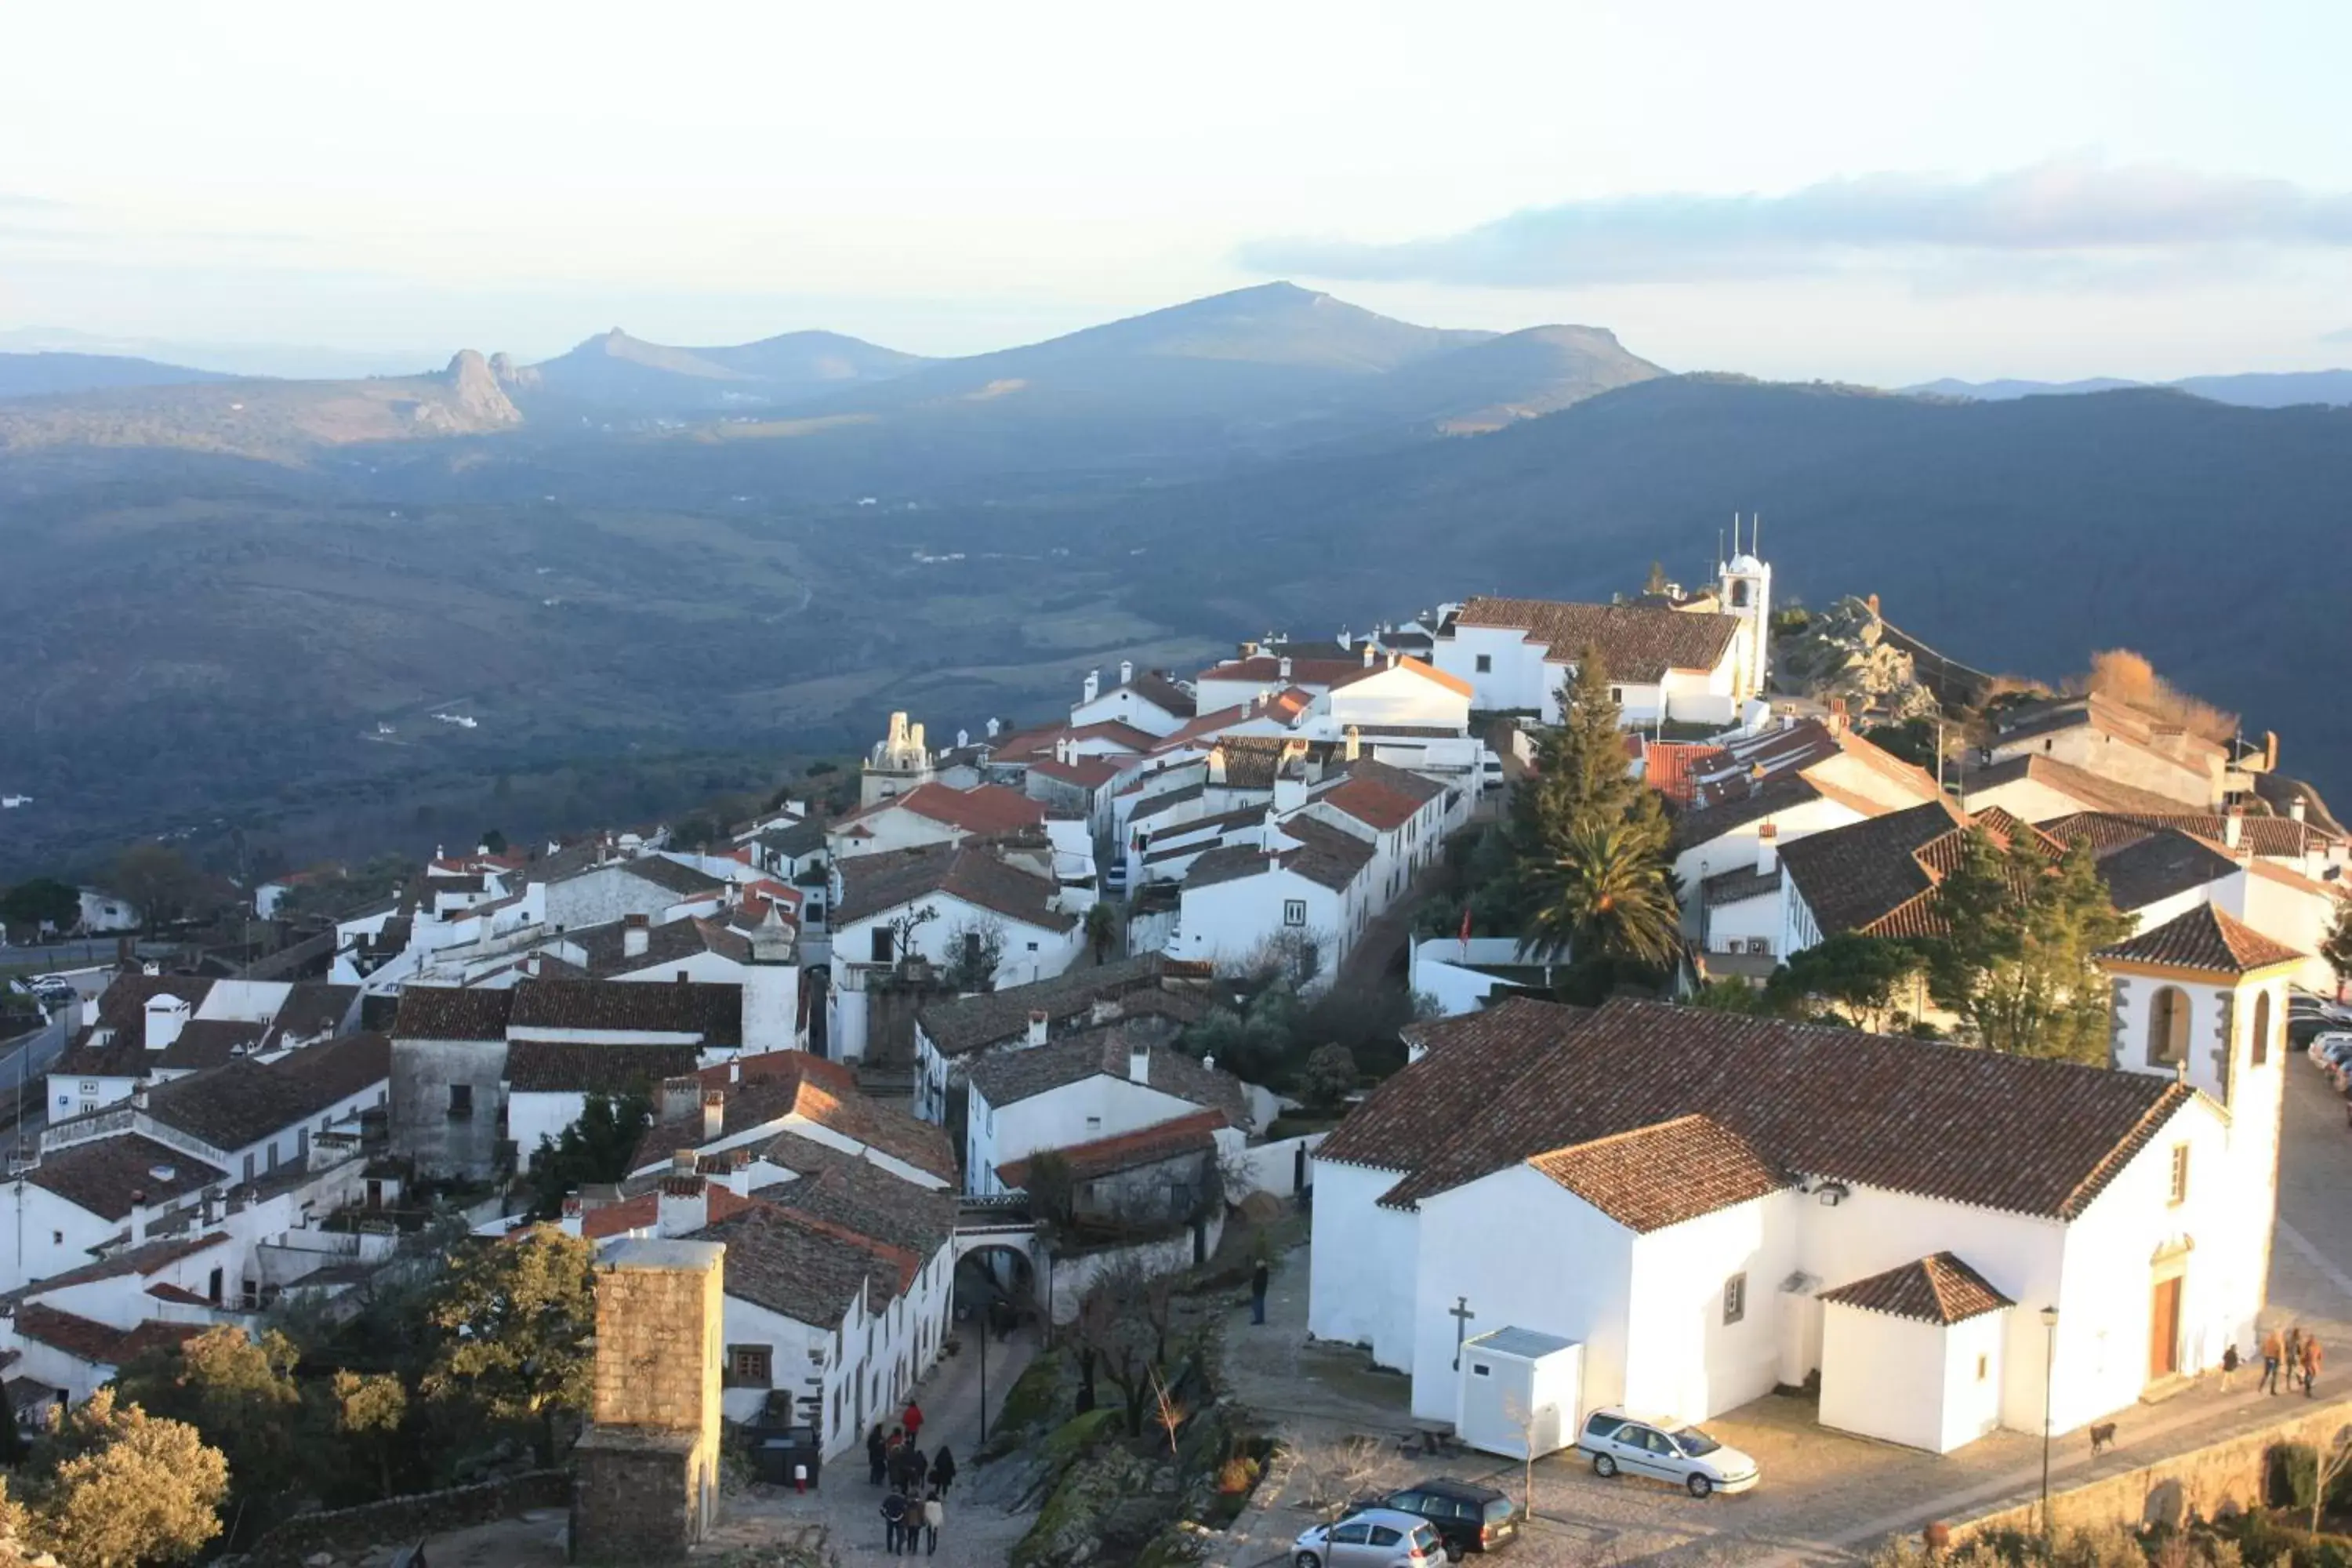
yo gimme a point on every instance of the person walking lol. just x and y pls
(919, 1473)
(2273, 1353)
(934, 1513)
(2312, 1357)
(877, 1456)
(944, 1468)
(911, 1418)
(894, 1523)
(1259, 1279)
(2294, 1354)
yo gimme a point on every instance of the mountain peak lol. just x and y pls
(477, 389)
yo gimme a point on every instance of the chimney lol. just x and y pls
(714, 1114)
(167, 1016)
(1139, 1064)
(993, 726)
(2295, 808)
(1216, 765)
(684, 1205)
(1126, 672)
(89, 1011)
(1392, 658)
(139, 1218)
(1768, 849)
(1368, 653)
(1282, 667)
(1346, 639)
(1355, 743)
(1249, 650)
(2234, 827)
(1093, 685)
(531, 966)
(636, 935)
(679, 1096)
(139, 1096)
(684, 1161)
(1040, 1021)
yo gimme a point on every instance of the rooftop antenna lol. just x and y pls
(1755, 530)
(1735, 536)
(1719, 556)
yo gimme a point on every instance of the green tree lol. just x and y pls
(1329, 1076)
(695, 831)
(2337, 948)
(159, 880)
(240, 1394)
(369, 1412)
(1655, 583)
(1102, 931)
(1601, 889)
(515, 1321)
(116, 1487)
(2016, 965)
(1581, 773)
(492, 839)
(596, 1147)
(43, 901)
(1867, 981)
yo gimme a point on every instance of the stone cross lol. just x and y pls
(1461, 1314)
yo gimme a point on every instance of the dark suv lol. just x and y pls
(1468, 1517)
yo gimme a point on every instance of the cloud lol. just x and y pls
(2072, 210)
(11, 201)
(2341, 335)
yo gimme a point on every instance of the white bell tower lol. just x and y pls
(1745, 586)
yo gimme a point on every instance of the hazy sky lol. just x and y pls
(1869, 192)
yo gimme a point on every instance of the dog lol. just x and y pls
(2103, 1437)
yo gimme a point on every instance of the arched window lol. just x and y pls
(2167, 1028)
(1739, 595)
(2261, 1051)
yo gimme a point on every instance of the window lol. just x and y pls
(461, 1102)
(1294, 911)
(1739, 595)
(1350, 1534)
(2179, 1173)
(748, 1366)
(1032, 947)
(1386, 1535)
(1480, 1369)
(1735, 1298)
(881, 953)
(56, 1238)
(1984, 1365)
(2261, 1051)
(1486, 663)
(971, 948)
(2167, 1028)
(249, 1167)
(1617, 695)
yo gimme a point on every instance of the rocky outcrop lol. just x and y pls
(1844, 653)
(478, 401)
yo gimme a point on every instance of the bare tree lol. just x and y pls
(975, 949)
(1531, 1421)
(2327, 1462)
(1293, 955)
(1167, 1413)
(1114, 1337)
(1334, 1472)
(903, 926)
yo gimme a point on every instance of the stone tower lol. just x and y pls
(648, 1463)
(1744, 583)
(899, 762)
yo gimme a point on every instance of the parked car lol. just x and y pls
(1468, 1517)
(1620, 1444)
(1375, 1538)
(2324, 1049)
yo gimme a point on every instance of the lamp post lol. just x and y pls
(2048, 1364)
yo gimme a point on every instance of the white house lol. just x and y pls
(1150, 700)
(104, 912)
(152, 1028)
(2119, 744)
(1300, 894)
(651, 885)
(933, 813)
(1085, 1087)
(742, 1116)
(1812, 1174)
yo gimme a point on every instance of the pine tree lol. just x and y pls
(2016, 962)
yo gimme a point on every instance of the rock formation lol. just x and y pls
(1843, 653)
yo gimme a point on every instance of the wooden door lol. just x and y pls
(2163, 1329)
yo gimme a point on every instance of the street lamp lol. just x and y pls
(2049, 1363)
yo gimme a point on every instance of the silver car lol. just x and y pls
(1373, 1538)
(1620, 1443)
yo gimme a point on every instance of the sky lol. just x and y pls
(1857, 192)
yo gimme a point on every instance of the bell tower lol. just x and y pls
(1744, 586)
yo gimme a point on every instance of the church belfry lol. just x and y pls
(1744, 585)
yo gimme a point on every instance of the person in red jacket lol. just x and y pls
(912, 1420)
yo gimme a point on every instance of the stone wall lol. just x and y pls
(403, 1521)
(648, 1464)
(2219, 1478)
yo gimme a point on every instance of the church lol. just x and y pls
(1714, 1205)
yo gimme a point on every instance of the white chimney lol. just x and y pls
(2234, 827)
(1282, 667)
(684, 1161)
(139, 1096)
(1216, 764)
(1289, 791)
(2295, 808)
(1139, 1064)
(1126, 672)
(1355, 743)
(1768, 849)
(963, 739)
(714, 1114)
(138, 1217)
(679, 1096)
(1368, 653)
(1344, 639)
(1392, 658)
(684, 1205)
(89, 1011)
(167, 1016)
(1040, 1021)
(636, 935)
(993, 726)
(1093, 685)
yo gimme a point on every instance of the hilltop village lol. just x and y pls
(1482, 1029)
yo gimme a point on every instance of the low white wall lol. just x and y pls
(1273, 1167)
(1071, 1277)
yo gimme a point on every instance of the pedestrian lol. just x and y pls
(898, 1469)
(1258, 1280)
(2312, 1356)
(2229, 1364)
(894, 1523)
(934, 1512)
(2274, 1352)
(943, 1469)
(2294, 1356)
(918, 1471)
(911, 1418)
(877, 1456)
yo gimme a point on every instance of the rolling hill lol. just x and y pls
(630, 376)
(2270, 389)
(48, 374)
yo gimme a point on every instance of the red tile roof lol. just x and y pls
(988, 810)
(1128, 1151)
(1452, 683)
(1656, 1176)
(1667, 766)
(641, 1212)
(1938, 1289)
(2204, 938)
(1635, 643)
(99, 1345)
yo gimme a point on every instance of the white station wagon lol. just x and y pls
(1627, 1445)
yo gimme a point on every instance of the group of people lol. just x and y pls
(915, 1504)
(2298, 1353)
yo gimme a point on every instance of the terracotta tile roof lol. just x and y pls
(1117, 731)
(247, 1101)
(103, 1174)
(988, 810)
(1966, 1126)
(2158, 865)
(1265, 669)
(995, 1017)
(862, 1197)
(580, 1066)
(1735, 887)
(1659, 1175)
(1086, 772)
(1938, 1289)
(2277, 837)
(1165, 801)
(777, 1086)
(1635, 643)
(804, 1267)
(1854, 876)
(1392, 1130)
(874, 884)
(1452, 683)
(604, 948)
(100, 1345)
(122, 1009)
(643, 1211)
(2204, 938)
(1133, 1150)
(1202, 728)
(1007, 1077)
(1326, 855)
(1162, 692)
(672, 876)
(711, 1012)
(1667, 766)
(143, 1260)
(1739, 805)
(2094, 792)
(452, 1013)
(1379, 796)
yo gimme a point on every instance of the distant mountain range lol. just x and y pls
(47, 374)
(617, 371)
(2276, 389)
(295, 360)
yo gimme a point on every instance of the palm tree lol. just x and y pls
(1600, 886)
